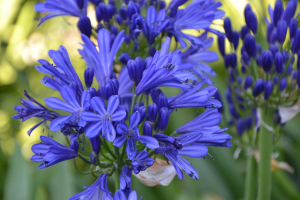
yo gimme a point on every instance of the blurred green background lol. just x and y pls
(22, 43)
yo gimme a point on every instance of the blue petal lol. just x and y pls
(194, 151)
(131, 148)
(118, 115)
(98, 105)
(134, 119)
(119, 141)
(113, 104)
(90, 116)
(59, 104)
(119, 195)
(93, 130)
(69, 95)
(122, 128)
(148, 141)
(112, 133)
(132, 195)
(55, 125)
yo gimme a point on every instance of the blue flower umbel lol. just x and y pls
(104, 117)
(131, 134)
(50, 152)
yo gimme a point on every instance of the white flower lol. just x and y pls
(287, 113)
(160, 173)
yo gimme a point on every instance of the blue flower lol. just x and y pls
(197, 15)
(195, 97)
(101, 62)
(51, 152)
(131, 134)
(104, 117)
(141, 162)
(61, 75)
(154, 24)
(71, 105)
(161, 71)
(32, 108)
(98, 190)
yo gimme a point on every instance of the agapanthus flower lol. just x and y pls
(104, 117)
(50, 152)
(141, 162)
(119, 195)
(32, 108)
(131, 134)
(98, 190)
(66, 8)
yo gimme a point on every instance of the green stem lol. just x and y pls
(117, 179)
(250, 178)
(265, 150)
(82, 158)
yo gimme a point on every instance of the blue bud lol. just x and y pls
(135, 69)
(244, 31)
(163, 119)
(227, 28)
(233, 111)
(250, 45)
(123, 12)
(270, 28)
(247, 11)
(259, 49)
(258, 87)
(240, 127)
(147, 128)
(218, 97)
(96, 144)
(162, 5)
(250, 19)
(88, 76)
(227, 61)
(127, 38)
(142, 110)
(119, 19)
(295, 75)
(152, 112)
(289, 69)
(283, 84)
(99, 26)
(79, 3)
(243, 69)
(73, 142)
(281, 31)
(298, 79)
(279, 63)
(278, 8)
(246, 58)
(275, 80)
(233, 60)
(268, 89)
(274, 49)
(111, 10)
(228, 96)
(259, 60)
(235, 39)
(289, 11)
(298, 60)
(293, 27)
(133, 8)
(221, 44)
(284, 55)
(296, 42)
(101, 12)
(95, 2)
(248, 122)
(112, 2)
(273, 38)
(152, 51)
(124, 58)
(239, 80)
(162, 100)
(114, 30)
(85, 26)
(110, 88)
(93, 158)
(267, 60)
(248, 82)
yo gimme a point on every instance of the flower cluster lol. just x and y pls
(122, 110)
(268, 76)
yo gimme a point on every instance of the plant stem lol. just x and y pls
(250, 178)
(265, 150)
(117, 179)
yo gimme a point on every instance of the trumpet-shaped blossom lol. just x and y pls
(32, 108)
(98, 190)
(104, 117)
(131, 134)
(50, 152)
(71, 105)
(141, 162)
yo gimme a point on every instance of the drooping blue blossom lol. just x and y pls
(131, 135)
(50, 152)
(125, 180)
(32, 108)
(141, 162)
(98, 190)
(104, 117)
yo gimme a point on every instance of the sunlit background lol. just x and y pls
(23, 43)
